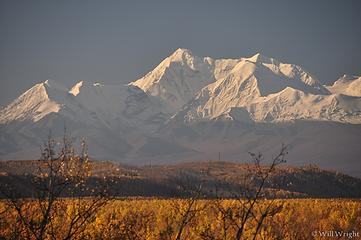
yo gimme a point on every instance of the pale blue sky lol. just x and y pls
(119, 41)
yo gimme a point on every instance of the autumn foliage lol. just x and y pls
(161, 219)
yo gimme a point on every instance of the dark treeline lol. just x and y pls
(308, 182)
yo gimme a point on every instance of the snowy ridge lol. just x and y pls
(347, 85)
(270, 91)
(94, 104)
(290, 72)
(177, 78)
(33, 105)
(194, 89)
(190, 108)
(76, 88)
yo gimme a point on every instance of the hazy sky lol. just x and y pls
(119, 41)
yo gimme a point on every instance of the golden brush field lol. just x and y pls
(207, 219)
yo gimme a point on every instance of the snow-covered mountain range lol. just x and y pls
(190, 108)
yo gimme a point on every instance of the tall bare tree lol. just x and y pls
(57, 207)
(255, 203)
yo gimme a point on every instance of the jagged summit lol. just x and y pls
(190, 105)
(208, 88)
(184, 57)
(181, 54)
(54, 85)
(216, 86)
(347, 77)
(259, 58)
(347, 85)
(176, 79)
(76, 88)
(33, 104)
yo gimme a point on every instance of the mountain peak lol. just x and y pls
(52, 84)
(347, 85)
(181, 54)
(345, 79)
(33, 104)
(177, 78)
(183, 50)
(76, 88)
(348, 77)
(48, 81)
(258, 57)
